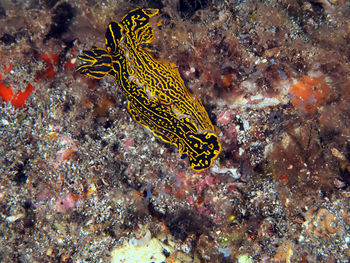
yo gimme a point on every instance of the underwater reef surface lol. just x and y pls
(80, 181)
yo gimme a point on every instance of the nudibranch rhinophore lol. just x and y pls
(157, 96)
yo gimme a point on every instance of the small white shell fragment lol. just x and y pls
(233, 171)
(5, 122)
(140, 242)
(14, 218)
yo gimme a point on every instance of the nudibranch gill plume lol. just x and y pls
(157, 96)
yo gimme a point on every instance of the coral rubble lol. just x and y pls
(81, 182)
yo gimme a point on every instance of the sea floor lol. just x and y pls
(81, 181)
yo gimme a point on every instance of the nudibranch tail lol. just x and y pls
(205, 147)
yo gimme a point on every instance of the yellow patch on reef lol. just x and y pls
(156, 94)
(153, 251)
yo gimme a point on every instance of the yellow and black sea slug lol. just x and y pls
(201, 146)
(159, 78)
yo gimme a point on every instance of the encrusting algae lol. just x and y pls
(274, 75)
(157, 96)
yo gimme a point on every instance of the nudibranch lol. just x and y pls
(159, 78)
(153, 103)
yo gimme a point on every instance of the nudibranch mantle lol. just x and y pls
(159, 78)
(156, 94)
